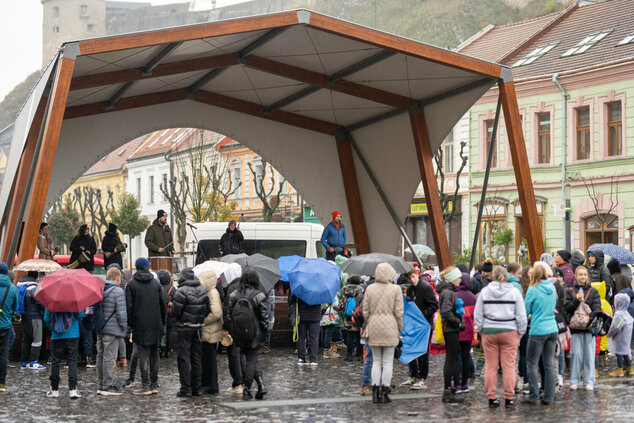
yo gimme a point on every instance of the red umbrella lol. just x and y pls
(69, 290)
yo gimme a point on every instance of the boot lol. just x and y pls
(376, 393)
(449, 395)
(246, 392)
(618, 372)
(385, 390)
(261, 387)
(628, 371)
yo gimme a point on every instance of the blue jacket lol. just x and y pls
(10, 303)
(540, 303)
(71, 333)
(331, 236)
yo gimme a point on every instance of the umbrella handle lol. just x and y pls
(296, 326)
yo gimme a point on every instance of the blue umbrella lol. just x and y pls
(415, 332)
(616, 252)
(286, 264)
(316, 281)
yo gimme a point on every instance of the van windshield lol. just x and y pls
(274, 248)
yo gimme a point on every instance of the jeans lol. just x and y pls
(85, 335)
(352, 340)
(561, 365)
(367, 365)
(450, 371)
(542, 345)
(500, 348)
(209, 367)
(11, 338)
(251, 367)
(623, 360)
(326, 336)
(107, 350)
(189, 359)
(383, 361)
(308, 330)
(134, 361)
(59, 349)
(149, 363)
(31, 340)
(236, 364)
(4, 354)
(582, 348)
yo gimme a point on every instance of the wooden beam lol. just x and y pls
(186, 33)
(353, 195)
(321, 81)
(46, 159)
(19, 184)
(403, 45)
(522, 170)
(432, 198)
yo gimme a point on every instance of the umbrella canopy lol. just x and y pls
(617, 252)
(266, 267)
(216, 266)
(365, 264)
(69, 290)
(38, 265)
(230, 258)
(316, 281)
(421, 250)
(286, 264)
(415, 332)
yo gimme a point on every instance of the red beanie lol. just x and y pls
(335, 214)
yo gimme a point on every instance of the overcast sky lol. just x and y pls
(21, 38)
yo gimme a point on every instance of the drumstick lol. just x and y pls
(168, 245)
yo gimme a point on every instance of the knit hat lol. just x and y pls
(110, 266)
(455, 274)
(354, 280)
(232, 222)
(160, 213)
(335, 214)
(547, 258)
(487, 267)
(164, 277)
(614, 266)
(112, 228)
(564, 254)
(384, 273)
(142, 264)
(186, 274)
(4, 269)
(546, 266)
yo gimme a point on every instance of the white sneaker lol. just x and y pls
(301, 362)
(313, 363)
(560, 380)
(573, 387)
(419, 385)
(35, 366)
(52, 394)
(410, 381)
(74, 394)
(589, 388)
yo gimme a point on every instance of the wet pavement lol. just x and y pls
(326, 393)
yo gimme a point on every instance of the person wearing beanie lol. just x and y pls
(486, 275)
(8, 303)
(618, 278)
(112, 247)
(562, 261)
(189, 308)
(231, 240)
(158, 237)
(147, 312)
(334, 236)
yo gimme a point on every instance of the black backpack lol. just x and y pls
(244, 324)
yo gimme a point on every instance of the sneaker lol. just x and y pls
(410, 381)
(34, 365)
(573, 387)
(183, 394)
(301, 362)
(143, 390)
(508, 403)
(450, 396)
(237, 389)
(74, 394)
(90, 365)
(589, 388)
(111, 390)
(155, 387)
(366, 389)
(420, 384)
(326, 354)
(53, 394)
(313, 363)
(129, 383)
(462, 389)
(24, 365)
(560, 380)
(3, 387)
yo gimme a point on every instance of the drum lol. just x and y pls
(161, 263)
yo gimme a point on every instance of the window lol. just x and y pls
(91, 27)
(535, 54)
(56, 12)
(543, 137)
(583, 133)
(259, 171)
(602, 228)
(448, 153)
(152, 189)
(165, 186)
(138, 189)
(585, 44)
(489, 134)
(56, 29)
(236, 178)
(615, 129)
(627, 40)
(83, 10)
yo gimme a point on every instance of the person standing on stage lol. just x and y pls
(231, 240)
(109, 245)
(45, 243)
(333, 236)
(158, 238)
(83, 243)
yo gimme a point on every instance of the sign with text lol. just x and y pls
(421, 208)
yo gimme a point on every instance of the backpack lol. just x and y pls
(244, 324)
(61, 322)
(98, 318)
(601, 324)
(19, 309)
(581, 318)
(351, 307)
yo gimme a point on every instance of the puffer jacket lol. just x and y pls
(599, 272)
(212, 329)
(114, 305)
(469, 300)
(191, 303)
(383, 309)
(569, 274)
(592, 298)
(33, 310)
(260, 308)
(349, 291)
(451, 322)
(230, 242)
(146, 308)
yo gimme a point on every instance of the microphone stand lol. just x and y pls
(202, 252)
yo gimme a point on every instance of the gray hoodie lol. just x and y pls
(500, 306)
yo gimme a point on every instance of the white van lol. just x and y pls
(272, 239)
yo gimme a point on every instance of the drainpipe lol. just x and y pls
(564, 149)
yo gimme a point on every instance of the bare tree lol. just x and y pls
(447, 199)
(602, 215)
(270, 199)
(177, 193)
(90, 204)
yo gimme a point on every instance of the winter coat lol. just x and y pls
(108, 244)
(212, 329)
(114, 305)
(146, 308)
(10, 303)
(540, 304)
(500, 306)
(169, 290)
(620, 282)
(620, 333)
(33, 310)
(88, 242)
(569, 274)
(561, 299)
(599, 272)
(71, 333)
(260, 308)
(592, 298)
(476, 283)
(230, 242)
(462, 291)
(451, 322)
(158, 236)
(630, 309)
(333, 236)
(383, 309)
(191, 303)
(307, 313)
(577, 260)
(46, 248)
(515, 282)
(425, 299)
(349, 291)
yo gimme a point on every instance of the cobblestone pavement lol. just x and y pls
(327, 393)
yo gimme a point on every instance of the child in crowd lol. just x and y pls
(620, 336)
(64, 342)
(328, 323)
(352, 295)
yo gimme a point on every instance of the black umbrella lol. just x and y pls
(267, 269)
(365, 264)
(232, 258)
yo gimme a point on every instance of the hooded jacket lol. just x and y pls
(577, 260)
(33, 310)
(592, 298)
(618, 278)
(146, 308)
(425, 299)
(307, 313)
(158, 236)
(620, 333)
(114, 305)
(10, 303)
(348, 291)
(599, 272)
(71, 333)
(260, 308)
(212, 329)
(569, 273)
(230, 242)
(463, 291)
(540, 303)
(108, 244)
(500, 306)
(191, 303)
(383, 309)
(515, 282)
(451, 322)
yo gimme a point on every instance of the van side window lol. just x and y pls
(319, 248)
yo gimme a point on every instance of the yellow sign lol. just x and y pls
(421, 208)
